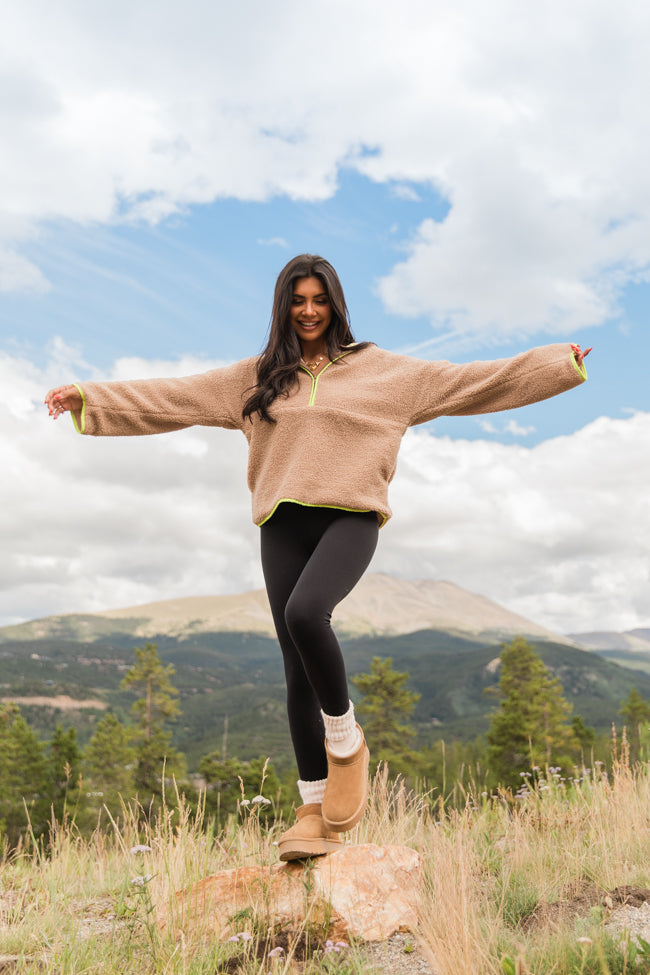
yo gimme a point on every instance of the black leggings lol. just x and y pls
(312, 558)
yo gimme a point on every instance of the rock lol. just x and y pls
(373, 889)
(367, 892)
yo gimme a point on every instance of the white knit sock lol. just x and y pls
(312, 791)
(343, 736)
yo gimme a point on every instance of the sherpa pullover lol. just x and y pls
(337, 434)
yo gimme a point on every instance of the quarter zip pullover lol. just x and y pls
(337, 434)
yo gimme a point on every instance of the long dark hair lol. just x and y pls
(278, 365)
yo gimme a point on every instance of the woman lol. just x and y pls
(324, 417)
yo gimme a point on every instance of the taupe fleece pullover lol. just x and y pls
(337, 434)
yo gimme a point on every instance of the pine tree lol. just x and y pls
(584, 735)
(64, 773)
(531, 727)
(157, 705)
(108, 769)
(24, 779)
(636, 711)
(385, 709)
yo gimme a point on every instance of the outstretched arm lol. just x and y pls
(145, 406)
(451, 389)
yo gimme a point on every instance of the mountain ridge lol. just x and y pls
(633, 641)
(380, 605)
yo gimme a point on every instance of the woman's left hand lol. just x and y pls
(579, 354)
(63, 399)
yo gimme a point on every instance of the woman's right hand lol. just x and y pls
(63, 399)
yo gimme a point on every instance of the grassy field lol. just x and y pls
(512, 885)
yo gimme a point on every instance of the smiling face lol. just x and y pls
(311, 314)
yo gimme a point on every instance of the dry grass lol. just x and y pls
(510, 885)
(516, 882)
(90, 905)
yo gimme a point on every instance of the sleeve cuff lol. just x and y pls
(80, 424)
(581, 370)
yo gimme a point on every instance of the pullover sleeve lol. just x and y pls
(144, 406)
(449, 389)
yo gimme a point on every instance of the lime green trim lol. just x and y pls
(306, 504)
(581, 370)
(83, 411)
(314, 380)
(313, 384)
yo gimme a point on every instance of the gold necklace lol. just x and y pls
(315, 363)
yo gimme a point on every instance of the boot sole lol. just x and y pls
(303, 849)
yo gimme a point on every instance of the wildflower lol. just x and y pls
(140, 848)
(585, 941)
(260, 800)
(141, 881)
(233, 938)
(276, 952)
(245, 936)
(330, 946)
(244, 802)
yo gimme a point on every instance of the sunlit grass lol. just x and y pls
(495, 867)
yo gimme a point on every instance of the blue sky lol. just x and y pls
(477, 175)
(201, 282)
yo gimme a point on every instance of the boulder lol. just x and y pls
(367, 892)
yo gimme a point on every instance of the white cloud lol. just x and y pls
(272, 242)
(405, 192)
(531, 121)
(517, 430)
(88, 524)
(19, 274)
(558, 532)
(512, 426)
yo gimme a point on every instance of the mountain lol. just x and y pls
(67, 669)
(380, 605)
(636, 641)
(630, 649)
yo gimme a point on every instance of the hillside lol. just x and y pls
(380, 605)
(634, 641)
(233, 684)
(628, 649)
(68, 668)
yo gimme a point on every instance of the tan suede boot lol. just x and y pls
(346, 792)
(308, 837)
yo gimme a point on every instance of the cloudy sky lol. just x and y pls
(478, 174)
